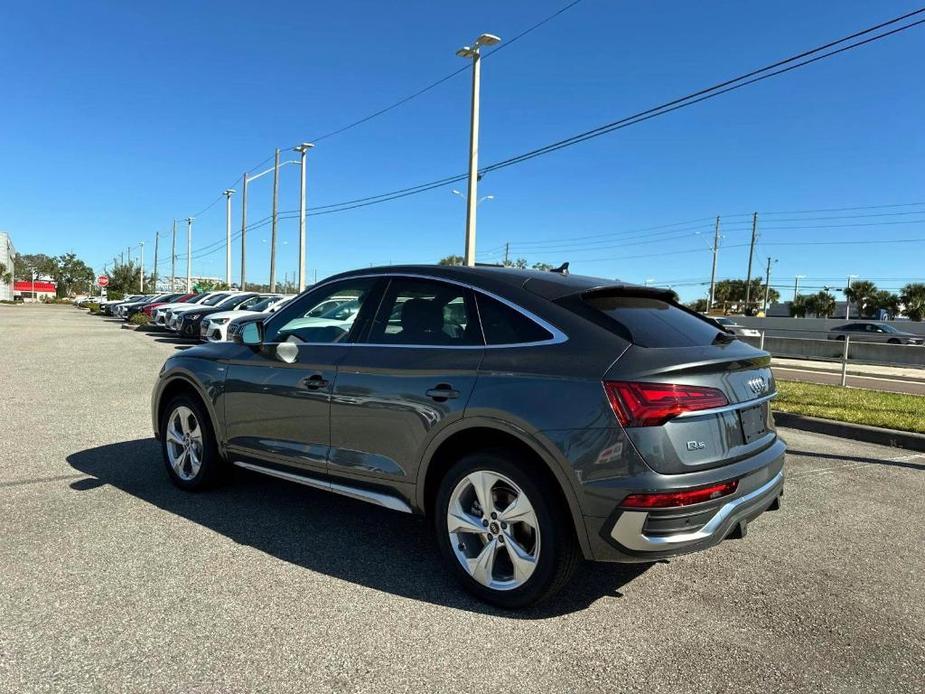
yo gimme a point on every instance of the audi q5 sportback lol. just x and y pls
(537, 418)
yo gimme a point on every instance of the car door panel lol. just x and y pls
(381, 413)
(281, 412)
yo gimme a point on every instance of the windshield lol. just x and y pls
(233, 301)
(887, 328)
(214, 300)
(263, 304)
(724, 321)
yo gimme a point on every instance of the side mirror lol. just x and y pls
(252, 334)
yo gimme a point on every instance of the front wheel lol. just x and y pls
(188, 445)
(502, 533)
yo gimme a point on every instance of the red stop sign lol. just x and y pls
(102, 280)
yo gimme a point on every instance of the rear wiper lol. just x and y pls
(724, 338)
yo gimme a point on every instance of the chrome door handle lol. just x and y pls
(442, 393)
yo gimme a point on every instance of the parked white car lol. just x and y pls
(215, 327)
(729, 325)
(175, 315)
(161, 313)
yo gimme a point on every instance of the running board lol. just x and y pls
(377, 498)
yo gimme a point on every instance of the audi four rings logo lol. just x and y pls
(758, 385)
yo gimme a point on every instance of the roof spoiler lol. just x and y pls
(630, 290)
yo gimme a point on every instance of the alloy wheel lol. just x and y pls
(184, 443)
(493, 530)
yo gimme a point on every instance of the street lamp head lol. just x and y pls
(487, 40)
(303, 148)
(456, 192)
(229, 192)
(465, 52)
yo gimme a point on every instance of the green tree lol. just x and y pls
(5, 275)
(821, 304)
(72, 274)
(886, 301)
(211, 286)
(39, 263)
(451, 260)
(699, 305)
(863, 293)
(546, 267)
(798, 306)
(912, 297)
(731, 294)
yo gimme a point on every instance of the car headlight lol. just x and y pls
(219, 321)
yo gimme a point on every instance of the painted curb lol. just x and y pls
(856, 432)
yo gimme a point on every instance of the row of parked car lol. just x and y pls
(214, 316)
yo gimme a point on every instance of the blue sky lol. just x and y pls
(119, 117)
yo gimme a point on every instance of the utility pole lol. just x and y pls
(767, 285)
(751, 252)
(244, 232)
(157, 238)
(474, 53)
(847, 300)
(228, 193)
(122, 255)
(189, 254)
(129, 255)
(796, 286)
(713, 274)
(302, 150)
(173, 259)
(141, 274)
(274, 222)
(507, 249)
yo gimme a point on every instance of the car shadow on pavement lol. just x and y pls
(873, 461)
(333, 535)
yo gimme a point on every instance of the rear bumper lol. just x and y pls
(631, 535)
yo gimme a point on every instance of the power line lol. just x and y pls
(440, 81)
(667, 107)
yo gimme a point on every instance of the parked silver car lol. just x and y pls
(875, 332)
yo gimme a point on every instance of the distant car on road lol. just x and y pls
(875, 332)
(729, 325)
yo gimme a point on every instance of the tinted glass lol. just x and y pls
(505, 326)
(212, 301)
(325, 315)
(651, 322)
(425, 312)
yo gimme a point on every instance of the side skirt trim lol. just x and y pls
(377, 498)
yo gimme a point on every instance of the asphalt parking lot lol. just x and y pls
(111, 579)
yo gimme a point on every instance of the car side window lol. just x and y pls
(425, 312)
(504, 325)
(326, 315)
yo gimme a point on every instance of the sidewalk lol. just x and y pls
(899, 373)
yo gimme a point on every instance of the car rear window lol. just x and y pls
(652, 322)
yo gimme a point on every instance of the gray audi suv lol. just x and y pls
(536, 418)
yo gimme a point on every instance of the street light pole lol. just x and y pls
(228, 193)
(796, 285)
(474, 53)
(751, 253)
(302, 150)
(173, 259)
(274, 222)
(848, 300)
(141, 275)
(189, 254)
(244, 232)
(157, 239)
(713, 274)
(767, 285)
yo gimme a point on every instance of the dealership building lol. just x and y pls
(7, 256)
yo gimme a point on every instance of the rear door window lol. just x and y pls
(652, 322)
(425, 312)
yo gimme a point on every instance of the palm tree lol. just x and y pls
(862, 293)
(798, 306)
(913, 298)
(821, 305)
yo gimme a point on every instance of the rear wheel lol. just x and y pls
(188, 444)
(502, 533)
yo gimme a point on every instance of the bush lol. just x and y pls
(94, 308)
(56, 301)
(139, 319)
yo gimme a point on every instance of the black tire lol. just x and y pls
(893, 341)
(559, 553)
(212, 466)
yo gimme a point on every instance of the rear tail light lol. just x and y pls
(653, 404)
(685, 498)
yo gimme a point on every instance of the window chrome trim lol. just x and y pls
(558, 337)
(727, 408)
